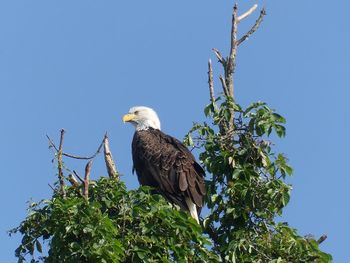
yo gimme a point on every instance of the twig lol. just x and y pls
(254, 28)
(76, 156)
(211, 82)
(60, 165)
(248, 13)
(75, 184)
(53, 189)
(86, 179)
(83, 157)
(111, 168)
(79, 177)
(224, 87)
(321, 239)
(219, 56)
(51, 143)
(73, 180)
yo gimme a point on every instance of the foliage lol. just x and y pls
(247, 189)
(246, 192)
(115, 225)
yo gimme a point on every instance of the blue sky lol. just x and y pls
(80, 65)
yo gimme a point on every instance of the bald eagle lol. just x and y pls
(164, 163)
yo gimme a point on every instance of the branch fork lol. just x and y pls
(229, 63)
(72, 178)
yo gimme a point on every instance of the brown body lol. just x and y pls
(165, 164)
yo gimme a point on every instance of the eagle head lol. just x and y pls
(142, 118)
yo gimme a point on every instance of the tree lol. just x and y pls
(101, 221)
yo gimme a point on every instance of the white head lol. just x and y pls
(142, 118)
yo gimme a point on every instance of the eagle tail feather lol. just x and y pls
(192, 208)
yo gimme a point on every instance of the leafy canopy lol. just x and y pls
(115, 225)
(246, 191)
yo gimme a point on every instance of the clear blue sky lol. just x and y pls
(80, 65)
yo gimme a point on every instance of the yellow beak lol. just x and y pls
(128, 117)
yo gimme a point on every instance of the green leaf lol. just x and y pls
(190, 140)
(280, 130)
(288, 169)
(285, 199)
(209, 109)
(254, 105)
(236, 173)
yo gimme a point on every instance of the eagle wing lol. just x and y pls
(163, 162)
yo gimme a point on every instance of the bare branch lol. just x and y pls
(87, 179)
(219, 56)
(211, 82)
(79, 177)
(73, 180)
(248, 13)
(231, 63)
(53, 189)
(52, 144)
(224, 87)
(111, 168)
(83, 157)
(254, 28)
(60, 166)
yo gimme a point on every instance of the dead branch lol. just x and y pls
(87, 179)
(231, 62)
(73, 181)
(60, 166)
(223, 84)
(86, 158)
(79, 177)
(53, 189)
(211, 82)
(254, 28)
(219, 56)
(111, 168)
(52, 144)
(248, 13)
